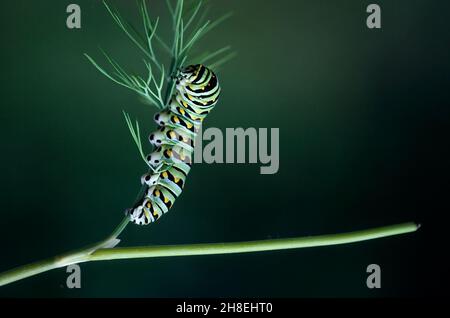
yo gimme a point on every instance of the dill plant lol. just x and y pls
(156, 88)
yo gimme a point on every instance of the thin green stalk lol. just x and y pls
(107, 252)
(63, 260)
(252, 246)
(119, 229)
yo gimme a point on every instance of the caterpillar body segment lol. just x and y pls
(171, 136)
(196, 94)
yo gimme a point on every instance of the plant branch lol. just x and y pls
(106, 252)
(63, 260)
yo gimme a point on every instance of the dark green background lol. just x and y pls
(362, 116)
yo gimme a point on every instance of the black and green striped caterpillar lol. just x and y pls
(196, 94)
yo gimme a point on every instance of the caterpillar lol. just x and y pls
(196, 93)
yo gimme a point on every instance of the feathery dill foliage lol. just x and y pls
(189, 25)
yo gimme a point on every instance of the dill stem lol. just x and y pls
(93, 253)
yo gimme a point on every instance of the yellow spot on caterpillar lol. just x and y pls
(189, 125)
(172, 134)
(157, 193)
(177, 180)
(166, 200)
(165, 175)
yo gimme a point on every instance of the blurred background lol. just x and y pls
(363, 118)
